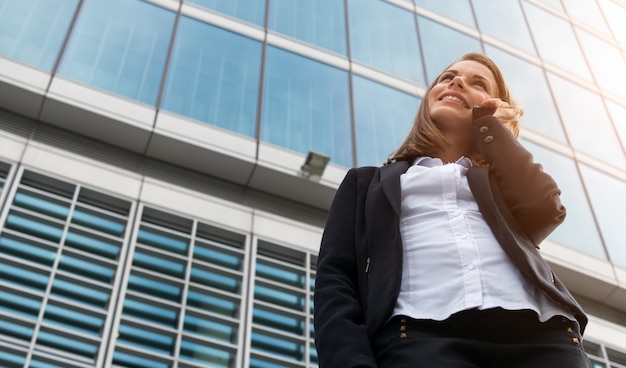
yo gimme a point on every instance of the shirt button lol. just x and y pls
(449, 195)
(464, 236)
(455, 213)
(489, 139)
(483, 129)
(471, 266)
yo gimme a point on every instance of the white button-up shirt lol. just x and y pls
(451, 259)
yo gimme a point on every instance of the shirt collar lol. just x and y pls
(432, 162)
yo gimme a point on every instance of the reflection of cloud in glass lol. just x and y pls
(555, 41)
(607, 63)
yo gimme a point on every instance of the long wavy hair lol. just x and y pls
(425, 138)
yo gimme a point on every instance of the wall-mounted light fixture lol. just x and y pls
(314, 165)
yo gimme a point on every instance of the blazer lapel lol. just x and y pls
(390, 182)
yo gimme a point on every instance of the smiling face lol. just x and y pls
(462, 86)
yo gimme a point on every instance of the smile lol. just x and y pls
(456, 99)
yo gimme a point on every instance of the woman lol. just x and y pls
(432, 260)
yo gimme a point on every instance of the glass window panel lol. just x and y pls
(23, 276)
(146, 338)
(214, 77)
(201, 353)
(41, 204)
(138, 360)
(321, 22)
(504, 21)
(555, 40)
(279, 273)
(384, 36)
(16, 329)
(214, 303)
(306, 106)
(150, 312)
(458, 10)
(113, 49)
(99, 221)
(586, 12)
(73, 291)
(73, 319)
(278, 320)
(28, 250)
(252, 11)
(578, 231)
(276, 345)
(34, 226)
(615, 15)
(604, 192)
(87, 268)
(217, 255)
(163, 240)
(556, 4)
(215, 278)
(586, 122)
(32, 31)
(209, 327)
(93, 244)
(70, 344)
(380, 127)
(282, 297)
(618, 115)
(159, 263)
(606, 61)
(19, 304)
(155, 287)
(456, 44)
(529, 87)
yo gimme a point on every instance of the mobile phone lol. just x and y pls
(482, 111)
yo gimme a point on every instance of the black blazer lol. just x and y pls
(360, 260)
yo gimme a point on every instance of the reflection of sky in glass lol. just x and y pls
(383, 118)
(32, 31)
(586, 12)
(528, 87)
(458, 10)
(555, 41)
(504, 20)
(586, 122)
(319, 22)
(607, 63)
(306, 106)
(605, 191)
(214, 81)
(456, 44)
(113, 49)
(573, 197)
(384, 36)
(615, 15)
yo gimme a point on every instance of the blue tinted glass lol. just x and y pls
(114, 49)
(459, 10)
(505, 21)
(456, 44)
(161, 264)
(210, 303)
(276, 345)
(384, 36)
(42, 205)
(319, 22)
(217, 256)
(578, 231)
(210, 327)
(214, 77)
(162, 241)
(35, 227)
(529, 87)
(99, 222)
(154, 313)
(306, 106)
(66, 343)
(32, 31)
(383, 117)
(252, 11)
(204, 354)
(145, 338)
(92, 244)
(137, 359)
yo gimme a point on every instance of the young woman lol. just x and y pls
(432, 260)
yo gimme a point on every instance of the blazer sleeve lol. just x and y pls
(341, 337)
(531, 195)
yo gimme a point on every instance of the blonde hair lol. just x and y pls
(425, 138)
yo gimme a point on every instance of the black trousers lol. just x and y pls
(493, 338)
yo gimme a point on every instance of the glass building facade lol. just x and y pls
(153, 212)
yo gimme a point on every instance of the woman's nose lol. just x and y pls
(458, 81)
